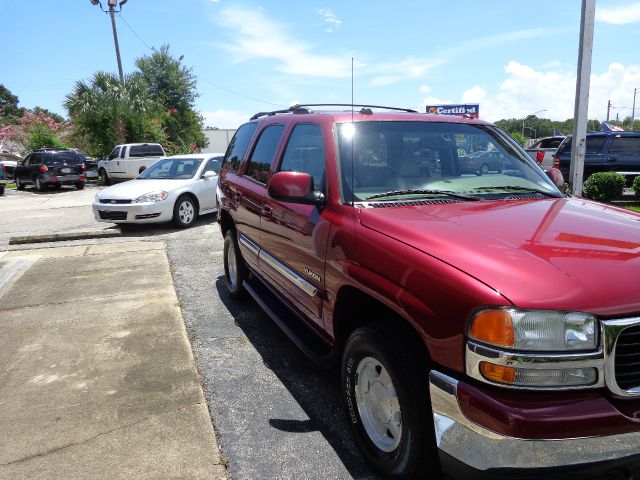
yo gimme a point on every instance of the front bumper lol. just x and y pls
(133, 212)
(468, 449)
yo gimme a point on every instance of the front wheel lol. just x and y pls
(104, 177)
(184, 212)
(386, 393)
(235, 271)
(484, 169)
(19, 184)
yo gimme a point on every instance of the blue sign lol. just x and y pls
(470, 109)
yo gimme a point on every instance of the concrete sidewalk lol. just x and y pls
(97, 379)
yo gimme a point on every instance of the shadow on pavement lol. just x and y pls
(153, 229)
(317, 391)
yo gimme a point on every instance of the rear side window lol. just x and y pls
(262, 157)
(238, 147)
(145, 151)
(305, 153)
(625, 145)
(550, 143)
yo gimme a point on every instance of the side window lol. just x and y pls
(36, 158)
(114, 153)
(595, 144)
(123, 150)
(625, 145)
(262, 157)
(213, 165)
(305, 153)
(238, 147)
(26, 161)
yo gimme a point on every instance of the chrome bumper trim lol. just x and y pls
(483, 449)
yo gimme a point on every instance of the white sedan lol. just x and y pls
(177, 189)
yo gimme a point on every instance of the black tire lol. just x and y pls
(79, 185)
(185, 211)
(484, 169)
(19, 184)
(57, 186)
(41, 187)
(235, 270)
(104, 176)
(407, 448)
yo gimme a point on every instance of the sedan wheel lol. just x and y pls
(484, 169)
(184, 212)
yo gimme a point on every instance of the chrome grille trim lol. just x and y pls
(611, 330)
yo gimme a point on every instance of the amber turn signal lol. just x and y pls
(497, 373)
(494, 327)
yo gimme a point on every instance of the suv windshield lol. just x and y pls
(171, 169)
(398, 158)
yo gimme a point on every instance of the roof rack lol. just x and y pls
(304, 108)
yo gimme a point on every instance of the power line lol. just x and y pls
(203, 80)
(134, 32)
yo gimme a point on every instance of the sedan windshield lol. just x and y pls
(171, 169)
(388, 160)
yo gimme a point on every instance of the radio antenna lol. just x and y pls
(353, 139)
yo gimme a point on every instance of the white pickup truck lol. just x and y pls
(128, 161)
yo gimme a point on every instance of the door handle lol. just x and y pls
(267, 211)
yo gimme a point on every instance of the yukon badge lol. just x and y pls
(312, 274)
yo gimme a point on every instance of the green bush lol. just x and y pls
(604, 186)
(636, 185)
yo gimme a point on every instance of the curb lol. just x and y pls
(58, 237)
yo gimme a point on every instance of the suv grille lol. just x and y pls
(107, 215)
(627, 358)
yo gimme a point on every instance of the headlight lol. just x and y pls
(535, 330)
(152, 197)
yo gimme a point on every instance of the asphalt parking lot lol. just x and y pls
(275, 414)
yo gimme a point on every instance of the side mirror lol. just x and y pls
(556, 177)
(208, 174)
(294, 187)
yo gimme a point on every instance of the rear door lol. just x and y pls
(22, 171)
(624, 153)
(294, 237)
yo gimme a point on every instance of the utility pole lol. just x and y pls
(608, 109)
(112, 10)
(579, 140)
(633, 110)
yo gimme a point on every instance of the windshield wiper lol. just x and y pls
(523, 189)
(419, 191)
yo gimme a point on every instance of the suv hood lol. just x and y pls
(566, 253)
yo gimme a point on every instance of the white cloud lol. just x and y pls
(221, 118)
(257, 36)
(424, 89)
(526, 90)
(330, 18)
(620, 14)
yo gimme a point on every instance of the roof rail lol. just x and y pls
(303, 108)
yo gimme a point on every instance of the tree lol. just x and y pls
(173, 85)
(9, 109)
(48, 113)
(105, 112)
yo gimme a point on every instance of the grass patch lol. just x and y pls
(635, 208)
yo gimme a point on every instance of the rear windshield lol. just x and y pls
(550, 143)
(146, 151)
(595, 143)
(70, 158)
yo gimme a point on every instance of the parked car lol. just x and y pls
(8, 164)
(3, 179)
(51, 167)
(482, 162)
(174, 189)
(90, 163)
(543, 150)
(486, 325)
(605, 152)
(128, 161)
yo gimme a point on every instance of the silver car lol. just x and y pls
(176, 189)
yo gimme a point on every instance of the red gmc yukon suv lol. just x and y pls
(486, 324)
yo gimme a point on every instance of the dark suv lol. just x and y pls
(51, 167)
(486, 324)
(606, 152)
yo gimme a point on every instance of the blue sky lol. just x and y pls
(512, 57)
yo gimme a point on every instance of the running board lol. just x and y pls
(293, 326)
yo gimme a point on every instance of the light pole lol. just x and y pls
(112, 10)
(633, 110)
(528, 117)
